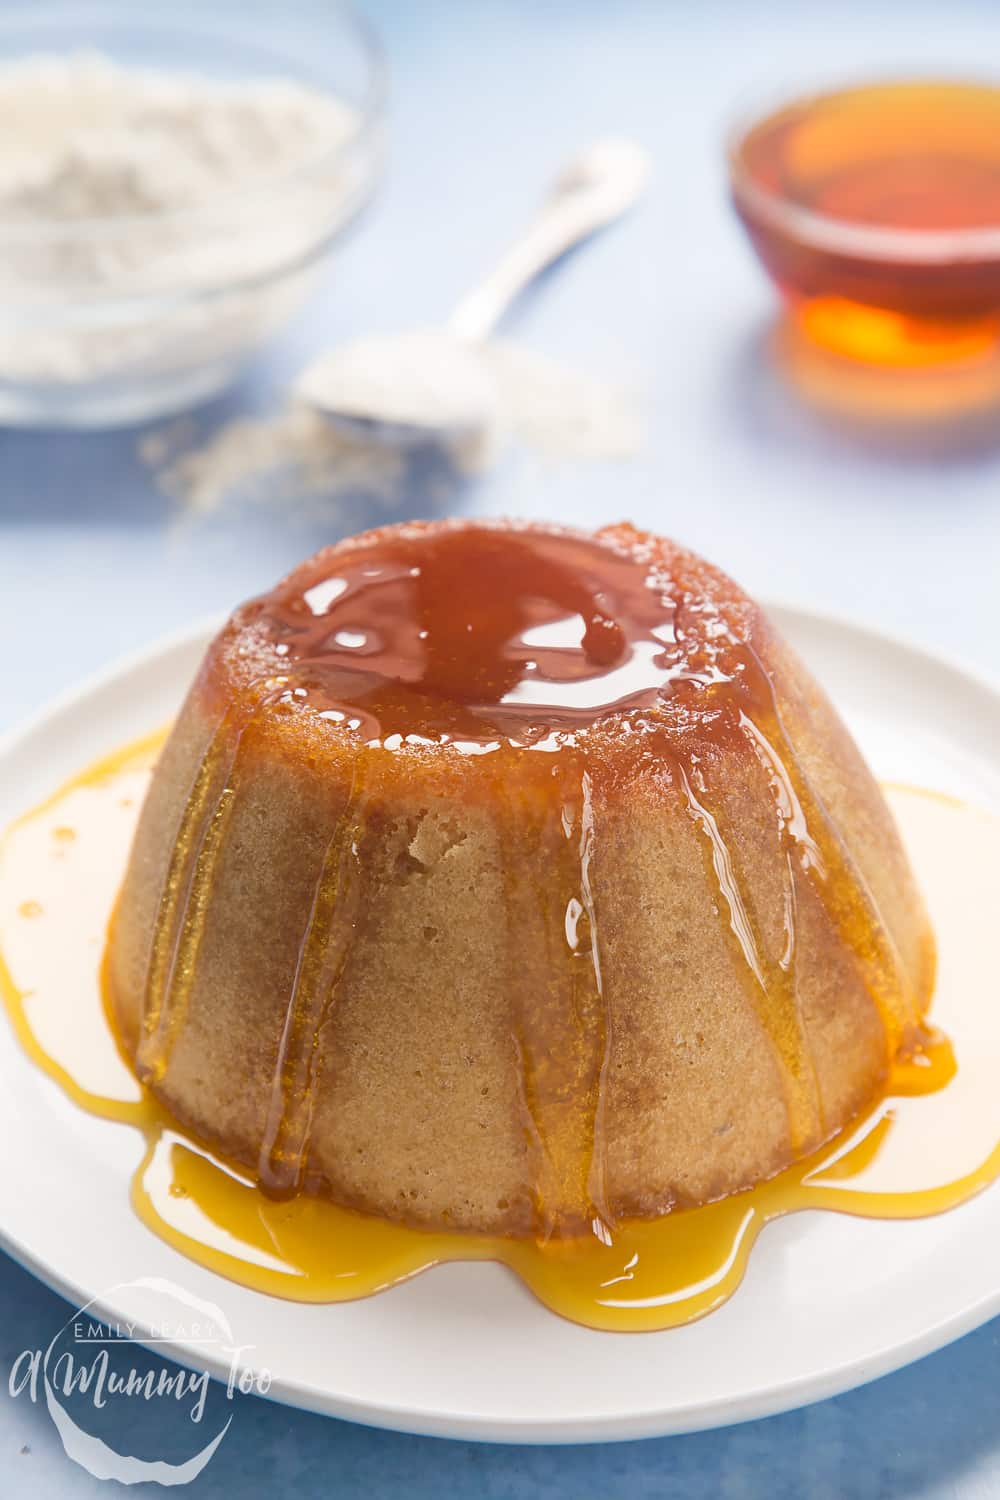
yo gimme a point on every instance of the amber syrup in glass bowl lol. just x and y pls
(876, 210)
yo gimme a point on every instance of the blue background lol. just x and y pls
(899, 528)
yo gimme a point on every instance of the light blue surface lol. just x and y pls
(900, 533)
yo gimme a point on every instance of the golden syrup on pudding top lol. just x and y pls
(929, 1144)
(465, 633)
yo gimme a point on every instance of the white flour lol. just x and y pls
(199, 184)
(288, 458)
(560, 411)
(296, 455)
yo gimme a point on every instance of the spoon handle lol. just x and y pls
(595, 189)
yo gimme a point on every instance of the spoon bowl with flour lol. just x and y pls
(435, 385)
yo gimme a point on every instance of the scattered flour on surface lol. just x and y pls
(292, 456)
(295, 455)
(560, 411)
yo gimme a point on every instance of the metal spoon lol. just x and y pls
(431, 384)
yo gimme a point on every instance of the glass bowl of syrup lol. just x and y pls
(876, 211)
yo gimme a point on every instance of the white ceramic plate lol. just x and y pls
(465, 1351)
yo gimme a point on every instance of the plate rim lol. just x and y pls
(531, 1429)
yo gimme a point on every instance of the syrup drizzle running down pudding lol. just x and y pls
(512, 880)
(928, 1144)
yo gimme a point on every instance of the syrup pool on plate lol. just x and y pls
(930, 1144)
(876, 210)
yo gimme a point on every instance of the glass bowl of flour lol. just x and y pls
(172, 182)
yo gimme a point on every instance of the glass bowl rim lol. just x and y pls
(928, 247)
